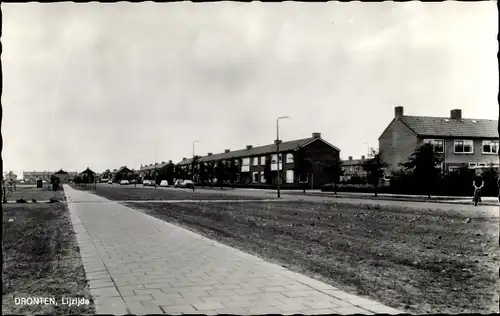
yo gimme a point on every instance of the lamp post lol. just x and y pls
(278, 152)
(155, 171)
(192, 163)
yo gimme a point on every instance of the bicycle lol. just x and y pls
(477, 194)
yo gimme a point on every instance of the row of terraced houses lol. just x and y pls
(251, 161)
(459, 141)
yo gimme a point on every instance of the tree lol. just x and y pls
(424, 164)
(334, 170)
(195, 168)
(375, 168)
(268, 175)
(203, 174)
(210, 169)
(170, 173)
(232, 171)
(220, 173)
(303, 165)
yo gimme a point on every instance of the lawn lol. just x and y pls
(41, 259)
(124, 193)
(32, 192)
(420, 261)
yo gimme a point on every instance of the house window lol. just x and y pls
(289, 158)
(289, 176)
(245, 162)
(490, 147)
(464, 147)
(255, 161)
(255, 177)
(437, 145)
(273, 158)
(472, 165)
(263, 160)
(262, 178)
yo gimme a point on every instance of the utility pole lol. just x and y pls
(278, 152)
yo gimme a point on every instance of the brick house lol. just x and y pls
(63, 176)
(146, 170)
(353, 168)
(458, 140)
(251, 161)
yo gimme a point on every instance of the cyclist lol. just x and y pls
(478, 185)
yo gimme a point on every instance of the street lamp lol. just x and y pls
(192, 163)
(278, 151)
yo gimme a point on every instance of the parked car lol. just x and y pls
(147, 183)
(124, 182)
(178, 183)
(133, 181)
(187, 184)
(110, 182)
(164, 183)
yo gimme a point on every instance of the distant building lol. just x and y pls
(63, 176)
(353, 168)
(32, 176)
(457, 140)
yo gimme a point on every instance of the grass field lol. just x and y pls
(124, 193)
(41, 259)
(32, 192)
(420, 261)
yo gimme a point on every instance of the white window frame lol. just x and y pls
(433, 143)
(245, 161)
(489, 142)
(472, 165)
(263, 160)
(288, 172)
(465, 142)
(289, 158)
(255, 161)
(262, 178)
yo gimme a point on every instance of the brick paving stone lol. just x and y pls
(234, 311)
(207, 306)
(137, 298)
(382, 309)
(264, 310)
(324, 311)
(352, 310)
(188, 294)
(178, 309)
(105, 292)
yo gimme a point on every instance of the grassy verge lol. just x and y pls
(40, 194)
(41, 259)
(124, 193)
(421, 261)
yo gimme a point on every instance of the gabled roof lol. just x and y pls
(447, 127)
(158, 166)
(87, 171)
(61, 172)
(258, 151)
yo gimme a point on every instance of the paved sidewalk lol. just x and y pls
(138, 264)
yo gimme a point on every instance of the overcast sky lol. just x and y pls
(106, 85)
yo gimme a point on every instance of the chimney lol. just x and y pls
(249, 146)
(350, 157)
(183, 158)
(209, 154)
(163, 162)
(398, 111)
(362, 157)
(227, 150)
(456, 114)
(316, 135)
(170, 161)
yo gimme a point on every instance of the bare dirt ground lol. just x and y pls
(41, 259)
(420, 261)
(124, 193)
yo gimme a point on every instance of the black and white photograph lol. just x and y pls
(250, 158)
